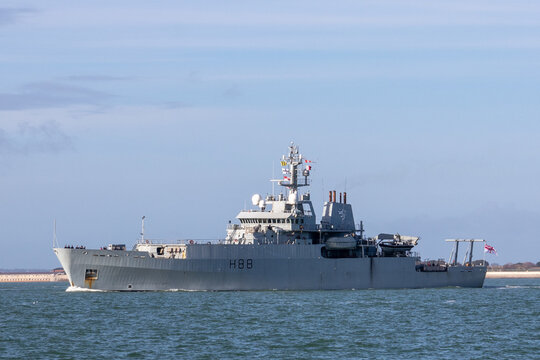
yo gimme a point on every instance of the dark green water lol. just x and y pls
(499, 321)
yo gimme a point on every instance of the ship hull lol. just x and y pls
(212, 267)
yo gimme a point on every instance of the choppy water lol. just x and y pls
(43, 321)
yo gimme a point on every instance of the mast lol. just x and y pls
(294, 163)
(361, 230)
(294, 167)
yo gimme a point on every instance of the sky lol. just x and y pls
(425, 112)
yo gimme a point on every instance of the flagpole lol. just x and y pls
(484, 252)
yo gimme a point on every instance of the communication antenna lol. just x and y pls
(273, 177)
(142, 228)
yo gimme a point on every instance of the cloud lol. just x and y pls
(47, 137)
(300, 14)
(232, 91)
(10, 16)
(95, 78)
(49, 94)
(176, 104)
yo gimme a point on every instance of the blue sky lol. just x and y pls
(425, 112)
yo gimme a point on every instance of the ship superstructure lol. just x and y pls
(276, 245)
(290, 218)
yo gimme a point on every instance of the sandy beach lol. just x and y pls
(512, 274)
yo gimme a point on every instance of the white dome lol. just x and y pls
(255, 199)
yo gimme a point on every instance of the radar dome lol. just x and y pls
(255, 199)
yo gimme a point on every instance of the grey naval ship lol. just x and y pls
(277, 245)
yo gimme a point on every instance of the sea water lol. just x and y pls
(499, 321)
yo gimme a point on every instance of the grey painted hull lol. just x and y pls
(254, 267)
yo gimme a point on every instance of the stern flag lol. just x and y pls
(490, 249)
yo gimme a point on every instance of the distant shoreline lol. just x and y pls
(32, 277)
(513, 275)
(49, 276)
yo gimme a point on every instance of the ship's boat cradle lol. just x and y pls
(253, 267)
